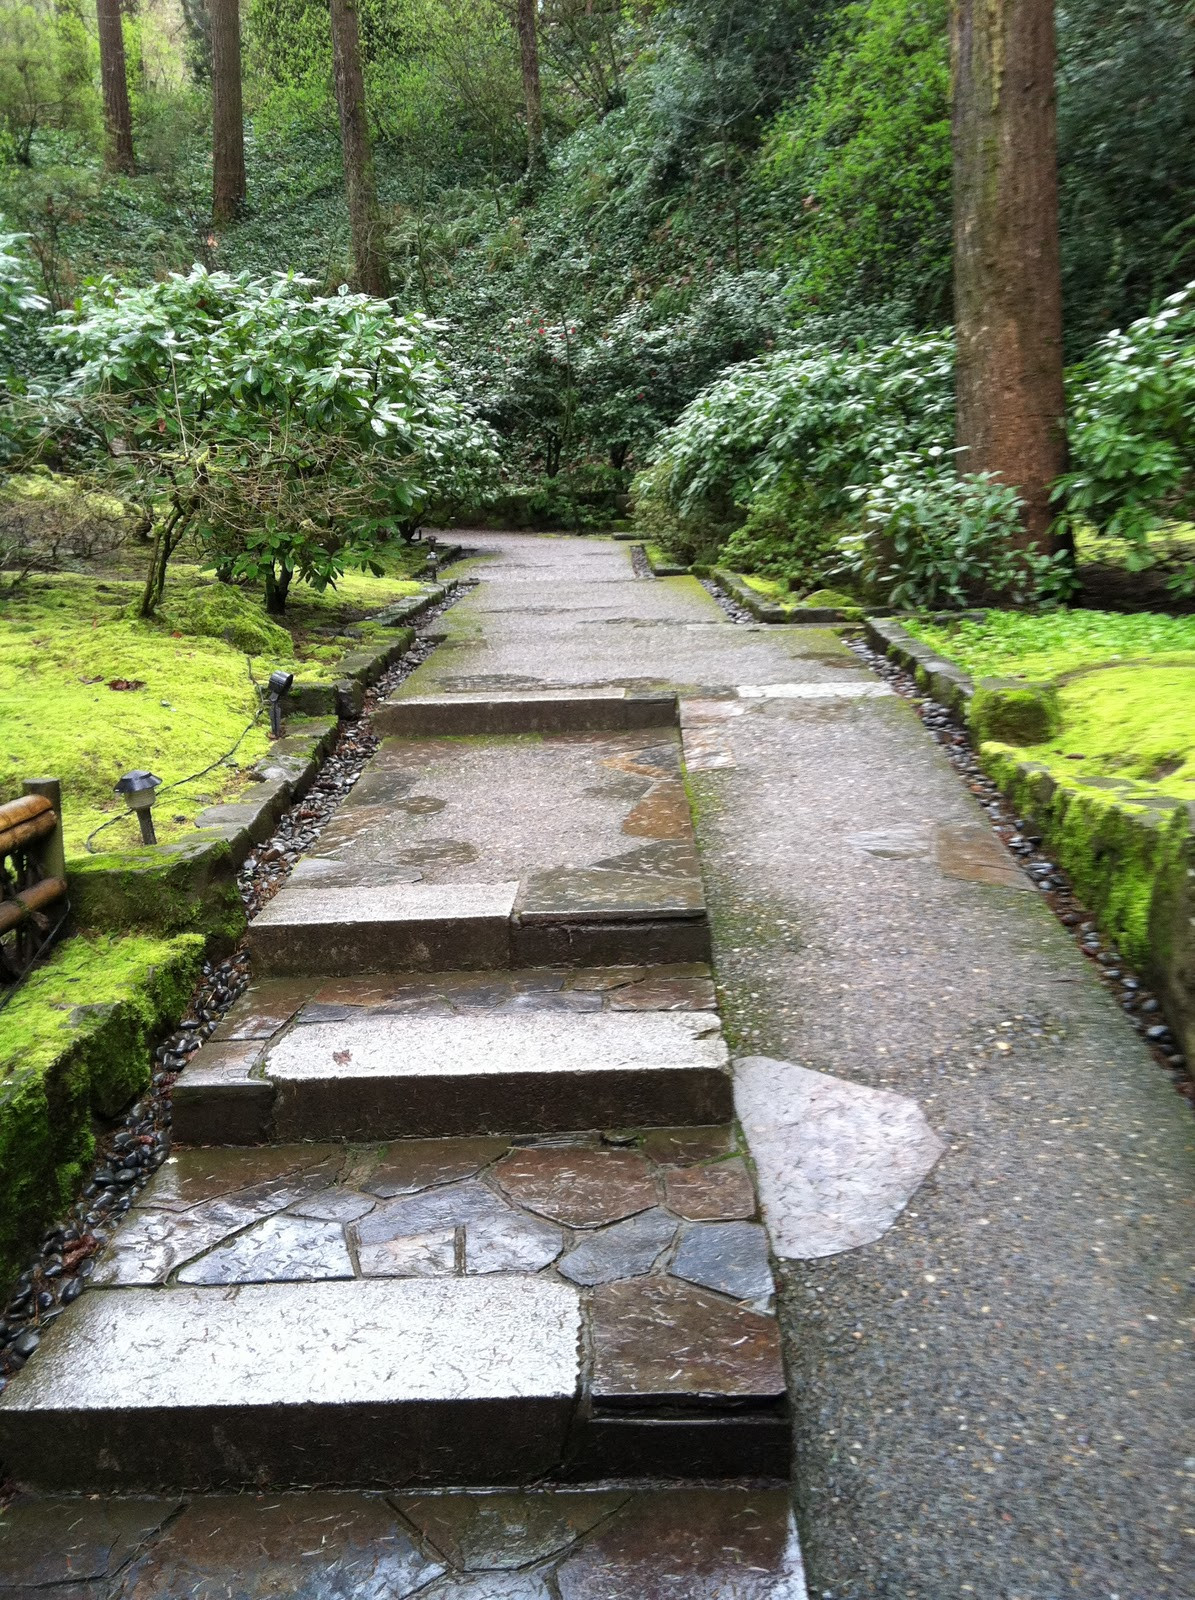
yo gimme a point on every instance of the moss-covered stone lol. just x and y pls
(75, 1043)
(1010, 711)
(167, 889)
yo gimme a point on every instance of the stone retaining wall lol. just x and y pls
(1129, 852)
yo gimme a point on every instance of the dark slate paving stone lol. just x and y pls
(417, 1255)
(490, 1586)
(623, 1250)
(264, 1008)
(691, 1544)
(48, 1542)
(415, 1164)
(683, 1147)
(150, 1245)
(666, 994)
(278, 1250)
(514, 1243)
(301, 1547)
(191, 1176)
(582, 1188)
(433, 1210)
(335, 1205)
(717, 1193)
(731, 1257)
(502, 1531)
(657, 1341)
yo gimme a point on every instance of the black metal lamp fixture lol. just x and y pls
(139, 791)
(279, 688)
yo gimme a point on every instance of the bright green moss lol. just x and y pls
(1046, 645)
(1014, 713)
(75, 1042)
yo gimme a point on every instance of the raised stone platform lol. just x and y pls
(424, 1312)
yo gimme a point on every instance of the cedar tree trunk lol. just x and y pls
(1007, 283)
(118, 120)
(529, 56)
(371, 271)
(228, 122)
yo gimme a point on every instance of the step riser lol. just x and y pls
(461, 718)
(476, 1444)
(397, 1108)
(345, 950)
(276, 1447)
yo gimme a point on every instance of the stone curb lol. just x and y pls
(345, 696)
(662, 569)
(1135, 833)
(736, 588)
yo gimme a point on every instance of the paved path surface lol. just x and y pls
(976, 1182)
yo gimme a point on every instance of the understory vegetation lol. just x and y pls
(737, 234)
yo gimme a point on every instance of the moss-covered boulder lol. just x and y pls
(222, 611)
(163, 889)
(1012, 712)
(75, 1043)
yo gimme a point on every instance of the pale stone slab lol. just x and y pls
(836, 1162)
(849, 690)
(493, 1044)
(376, 1342)
(391, 902)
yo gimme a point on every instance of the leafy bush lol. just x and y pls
(290, 431)
(786, 536)
(930, 539)
(1131, 412)
(825, 416)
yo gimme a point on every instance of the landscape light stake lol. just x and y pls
(138, 788)
(279, 687)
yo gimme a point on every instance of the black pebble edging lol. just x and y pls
(132, 1150)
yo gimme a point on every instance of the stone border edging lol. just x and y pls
(1136, 832)
(733, 585)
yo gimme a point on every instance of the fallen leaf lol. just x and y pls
(342, 1057)
(126, 683)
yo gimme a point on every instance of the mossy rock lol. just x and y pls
(165, 889)
(831, 599)
(76, 1042)
(222, 611)
(1009, 711)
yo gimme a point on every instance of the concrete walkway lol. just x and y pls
(976, 1182)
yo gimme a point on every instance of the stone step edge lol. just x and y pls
(597, 711)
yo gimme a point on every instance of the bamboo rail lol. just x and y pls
(33, 887)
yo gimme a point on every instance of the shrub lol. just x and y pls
(786, 536)
(1131, 409)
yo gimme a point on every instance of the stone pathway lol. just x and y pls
(460, 1198)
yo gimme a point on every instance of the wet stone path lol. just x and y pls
(500, 1253)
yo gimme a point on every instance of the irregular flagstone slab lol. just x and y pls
(836, 1162)
(684, 1147)
(511, 1244)
(657, 1342)
(449, 1207)
(492, 1532)
(383, 1380)
(719, 1192)
(580, 1187)
(623, 1250)
(149, 1245)
(970, 850)
(266, 1006)
(417, 1164)
(271, 1178)
(337, 930)
(303, 1547)
(488, 1072)
(417, 1255)
(278, 1250)
(491, 1586)
(691, 1544)
(68, 1542)
(731, 1257)
(848, 689)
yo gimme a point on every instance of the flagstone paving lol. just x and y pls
(972, 1176)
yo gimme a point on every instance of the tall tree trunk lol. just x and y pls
(1007, 280)
(118, 119)
(228, 119)
(532, 99)
(371, 270)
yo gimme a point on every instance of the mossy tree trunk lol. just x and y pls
(370, 267)
(1007, 280)
(118, 118)
(228, 118)
(532, 96)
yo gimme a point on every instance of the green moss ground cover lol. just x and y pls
(75, 1044)
(65, 639)
(1125, 688)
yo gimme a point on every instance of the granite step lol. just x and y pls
(421, 1313)
(498, 851)
(359, 1073)
(520, 711)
